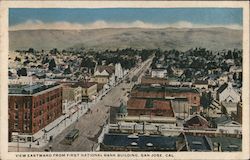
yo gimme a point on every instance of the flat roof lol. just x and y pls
(164, 89)
(141, 141)
(29, 89)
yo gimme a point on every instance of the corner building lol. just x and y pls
(32, 107)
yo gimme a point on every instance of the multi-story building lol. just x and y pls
(89, 90)
(72, 93)
(104, 74)
(32, 107)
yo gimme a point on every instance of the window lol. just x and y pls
(25, 116)
(24, 127)
(28, 104)
(16, 105)
(15, 125)
(194, 98)
(16, 116)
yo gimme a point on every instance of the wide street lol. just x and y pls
(90, 125)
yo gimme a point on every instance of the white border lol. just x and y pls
(124, 4)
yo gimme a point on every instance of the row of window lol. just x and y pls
(25, 105)
(26, 116)
(46, 100)
(49, 108)
(49, 117)
(25, 127)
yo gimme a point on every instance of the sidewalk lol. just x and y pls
(42, 137)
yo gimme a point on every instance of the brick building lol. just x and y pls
(168, 92)
(148, 106)
(32, 107)
(147, 80)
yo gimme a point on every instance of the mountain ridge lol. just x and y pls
(217, 38)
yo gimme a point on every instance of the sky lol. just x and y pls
(61, 18)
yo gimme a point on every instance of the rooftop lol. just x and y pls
(141, 142)
(228, 143)
(199, 143)
(86, 84)
(164, 88)
(29, 89)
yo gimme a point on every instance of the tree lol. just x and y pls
(52, 64)
(31, 50)
(45, 60)
(206, 99)
(22, 72)
(17, 59)
(54, 51)
(67, 70)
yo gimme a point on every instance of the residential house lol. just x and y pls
(159, 72)
(226, 125)
(214, 110)
(228, 108)
(104, 74)
(227, 93)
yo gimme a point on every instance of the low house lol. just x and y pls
(200, 84)
(159, 72)
(231, 127)
(229, 108)
(227, 93)
(226, 125)
(196, 122)
(214, 110)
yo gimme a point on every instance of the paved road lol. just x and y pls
(91, 124)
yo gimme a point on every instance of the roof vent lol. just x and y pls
(196, 142)
(149, 144)
(134, 144)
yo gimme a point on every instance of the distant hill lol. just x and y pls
(102, 39)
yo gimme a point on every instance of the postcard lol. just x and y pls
(124, 80)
